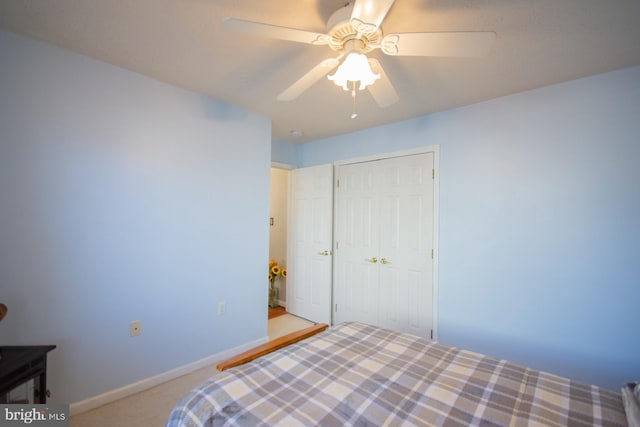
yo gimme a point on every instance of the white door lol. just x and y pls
(406, 242)
(356, 269)
(384, 237)
(309, 255)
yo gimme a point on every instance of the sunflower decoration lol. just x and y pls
(275, 271)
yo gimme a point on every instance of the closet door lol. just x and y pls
(405, 243)
(384, 238)
(356, 270)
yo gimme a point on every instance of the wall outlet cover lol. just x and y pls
(135, 328)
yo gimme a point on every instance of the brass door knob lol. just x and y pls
(372, 260)
(384, 261)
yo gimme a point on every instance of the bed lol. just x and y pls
(355, 374)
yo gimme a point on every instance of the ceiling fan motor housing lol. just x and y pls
(345, 38)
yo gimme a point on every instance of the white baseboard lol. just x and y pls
(282, 303)
(127, 390)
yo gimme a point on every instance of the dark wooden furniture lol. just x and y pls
(19, 364)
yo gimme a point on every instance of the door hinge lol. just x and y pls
(432, 254)
(337, 245)
(432, 334)
(336, 308)
(338, 183)
(433, 174)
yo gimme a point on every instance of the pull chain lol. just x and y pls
(353, 95)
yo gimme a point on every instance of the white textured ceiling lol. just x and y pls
(539, 42)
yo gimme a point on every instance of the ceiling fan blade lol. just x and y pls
(367, 15)
(471, 44)
(309, 79)
(274, 32)
(382, 90)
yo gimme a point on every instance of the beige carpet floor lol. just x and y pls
(151, 407)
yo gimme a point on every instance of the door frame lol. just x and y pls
(286, 167)
(435, 149)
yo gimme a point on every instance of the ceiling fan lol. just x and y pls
(353, 31)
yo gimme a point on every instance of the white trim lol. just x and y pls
(436, 237)
(130, 389)
(278, 165)
(435, 149)
(410, 152)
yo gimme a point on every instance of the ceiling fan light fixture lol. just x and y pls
(355, 68)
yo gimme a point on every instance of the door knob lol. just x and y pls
(372, 260)
(384, 261)
(325, 253)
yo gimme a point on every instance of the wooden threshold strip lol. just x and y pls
(271, 346)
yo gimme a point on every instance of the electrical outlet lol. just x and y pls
(135, 328)
(222, 308)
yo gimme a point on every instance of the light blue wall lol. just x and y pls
(123, 198)
(284, 152)
(539, 222)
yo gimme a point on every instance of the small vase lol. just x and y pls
(273, 295)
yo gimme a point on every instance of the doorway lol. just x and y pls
(280, 322)
(278, 194)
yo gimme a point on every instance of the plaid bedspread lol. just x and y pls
(360, 375)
